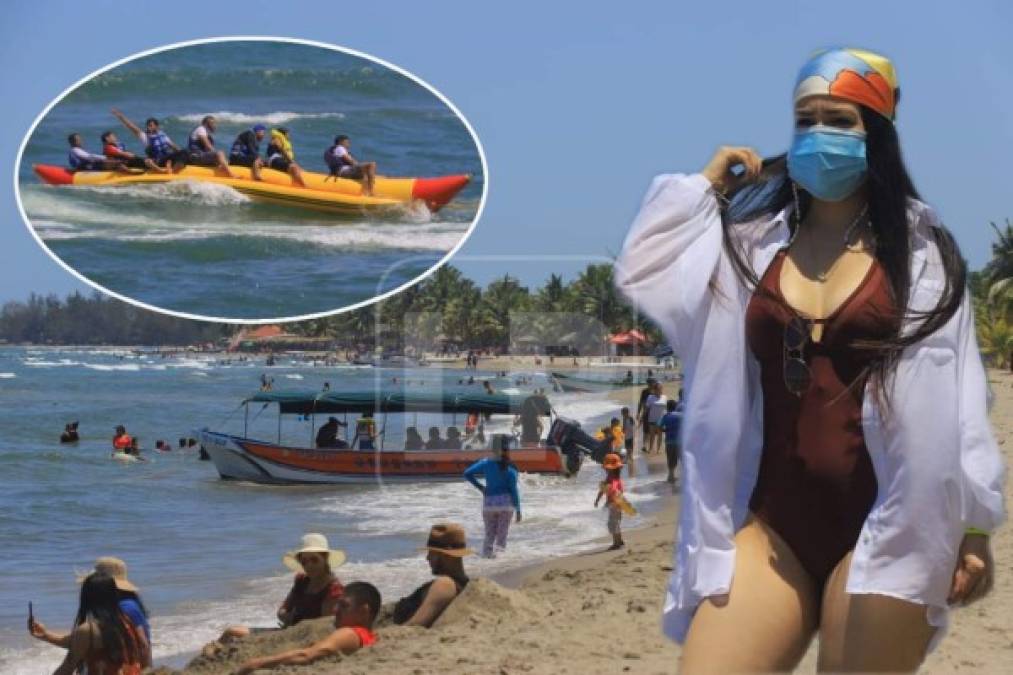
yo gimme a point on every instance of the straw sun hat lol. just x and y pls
(313, 543)
(113, 567)
(448, 539)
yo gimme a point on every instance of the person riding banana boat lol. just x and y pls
(281, 156)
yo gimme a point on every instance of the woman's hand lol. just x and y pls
(37, 629)
(719, 170)
(973, 576)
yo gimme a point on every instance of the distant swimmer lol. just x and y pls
(281, 155)
(342, 165)
(246, 150)
(157, 144)
(201, 147)
(121, 439)
(79, 159)
(69, 434)
(113, 149)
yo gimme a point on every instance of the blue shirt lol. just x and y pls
(132, 609)
(671, 422)
(497, 480)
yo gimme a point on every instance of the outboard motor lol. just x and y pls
(574, 442)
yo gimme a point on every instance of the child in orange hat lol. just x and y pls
(612, 489)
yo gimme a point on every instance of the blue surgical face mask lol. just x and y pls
(828, 162)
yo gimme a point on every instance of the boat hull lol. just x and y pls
(244, 459)
(322, 193)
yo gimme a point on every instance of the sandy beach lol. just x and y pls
(599, 612)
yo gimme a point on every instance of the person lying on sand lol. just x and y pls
(353, 622)
(315, 591)
(446, 548)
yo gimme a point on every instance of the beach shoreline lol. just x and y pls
(554, 616)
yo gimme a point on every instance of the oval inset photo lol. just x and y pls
(251, 180)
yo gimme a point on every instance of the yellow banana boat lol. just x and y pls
(322, 192)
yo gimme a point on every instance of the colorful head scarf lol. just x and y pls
(855, 75)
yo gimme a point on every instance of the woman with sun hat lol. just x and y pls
(841, 475)
(315, 591)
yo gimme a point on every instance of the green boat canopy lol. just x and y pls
(316, 402)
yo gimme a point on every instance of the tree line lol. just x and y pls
(95, 319)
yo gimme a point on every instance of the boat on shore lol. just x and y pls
(322, 193)
(247, 459)
(585, 385)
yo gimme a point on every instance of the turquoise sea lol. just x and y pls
(207, 249)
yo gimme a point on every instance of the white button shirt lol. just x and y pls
(936, 461)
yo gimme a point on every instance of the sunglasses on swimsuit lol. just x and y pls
(797, 376)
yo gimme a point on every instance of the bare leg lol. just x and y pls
(223, 164)
(255, 168)
(296, 173)
(768, 619)
(369, 168)
(152, 166)
(869, 633)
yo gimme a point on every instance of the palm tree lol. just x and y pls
(1001, 264)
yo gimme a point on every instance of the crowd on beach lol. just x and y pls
(111, 629)
(162, 155)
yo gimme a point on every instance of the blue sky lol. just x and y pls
(577, 107)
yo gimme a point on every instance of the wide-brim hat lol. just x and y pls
(314, 542)
(448, 539)
(113, 567)
(612, 461)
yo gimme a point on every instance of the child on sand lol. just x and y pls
(612, 489)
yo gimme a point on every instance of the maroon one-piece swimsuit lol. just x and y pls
(816, 483)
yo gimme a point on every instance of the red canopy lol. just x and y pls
(630, 337)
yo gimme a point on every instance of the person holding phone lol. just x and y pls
(841, 478)
(128, 595)
(103, 640)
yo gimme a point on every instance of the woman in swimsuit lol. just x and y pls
(837, 443)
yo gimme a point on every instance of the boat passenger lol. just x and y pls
(476, 441)
(453, 439)
(201, 147)
(530, 421)
(327, 435)
(365, 431)
(113, 149)
(413, 440)
(69, 434)
(157, 144)
(281, 156)
(356, 613)
(446, 549)
(342, 165)
(315, 591)
(246, 150)
(135, 448)
(435, 442)
(79, 159)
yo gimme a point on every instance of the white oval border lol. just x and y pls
(253, 38)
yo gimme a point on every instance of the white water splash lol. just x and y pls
(279, 117)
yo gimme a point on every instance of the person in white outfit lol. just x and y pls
(841, 478)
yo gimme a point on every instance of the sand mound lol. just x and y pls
(484, 602)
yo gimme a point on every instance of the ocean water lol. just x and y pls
(205, 552)
(207, 249)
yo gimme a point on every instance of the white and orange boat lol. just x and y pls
(246, 459)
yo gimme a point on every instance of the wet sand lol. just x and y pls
(599, 612)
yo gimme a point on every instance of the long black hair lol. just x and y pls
(100, 604)
(889, 188)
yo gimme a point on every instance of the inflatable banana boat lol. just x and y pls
(322, 193)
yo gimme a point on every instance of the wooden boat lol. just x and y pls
(247, 459)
